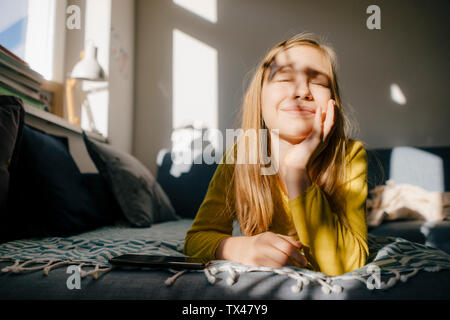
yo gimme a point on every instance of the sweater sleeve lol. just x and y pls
(213, 222)
(331, 247)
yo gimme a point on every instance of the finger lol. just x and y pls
(298, 258)
(329, 119)
(275, 258)
(289, 249)
(296, 244)
(302, 264)
(317, 126)
(318, 121)
(278, 259)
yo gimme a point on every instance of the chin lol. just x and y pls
(294, 137)
(296, 133)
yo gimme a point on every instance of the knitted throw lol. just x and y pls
(391, 259)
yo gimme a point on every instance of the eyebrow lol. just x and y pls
(310, 72)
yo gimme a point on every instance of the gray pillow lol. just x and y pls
(139, 195)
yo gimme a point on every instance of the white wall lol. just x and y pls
(111, 25)
(410, 49)
(121, 74)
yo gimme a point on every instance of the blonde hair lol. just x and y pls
(253, 197)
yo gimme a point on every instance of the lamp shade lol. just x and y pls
(88, 67)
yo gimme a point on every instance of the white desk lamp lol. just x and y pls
(87, 68)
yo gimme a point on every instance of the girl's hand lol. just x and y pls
(266, 249)
(301, 154)
(273, 250)
(294, 166)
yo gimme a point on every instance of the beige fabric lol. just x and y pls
(404, 201)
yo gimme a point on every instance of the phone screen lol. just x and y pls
(157, 261)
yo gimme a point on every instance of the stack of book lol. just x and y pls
(18, 79)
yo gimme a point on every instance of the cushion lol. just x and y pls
(406, 229)
(139, 195)
(48, 196)
(437, 234)
(380, 162)
(186, 191)
(11, 126)
(105, 200)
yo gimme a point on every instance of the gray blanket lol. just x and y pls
(392, 261)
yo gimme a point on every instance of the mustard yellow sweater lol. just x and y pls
(329, 246)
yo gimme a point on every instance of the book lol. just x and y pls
(19, 78)
(12, 55)
(19, 88)
(4, 90)
(17, 66)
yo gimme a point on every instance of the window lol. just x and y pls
(13, 26)
(31, 29)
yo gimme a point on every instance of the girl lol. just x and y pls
(311, 212)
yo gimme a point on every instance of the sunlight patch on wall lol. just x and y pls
(195, 93)
(39, 42)
(397, 94)
(97, 32)
(206, 9)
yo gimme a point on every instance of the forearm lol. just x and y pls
(334, 248)
(296, 181)
(203, 244)
(230, 248)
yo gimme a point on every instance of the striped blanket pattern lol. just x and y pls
(391, 259)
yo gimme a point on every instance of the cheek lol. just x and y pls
(321, 96)
(268, 114)
(272, 96)
(270, 100)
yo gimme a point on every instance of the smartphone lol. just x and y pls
(157, 261)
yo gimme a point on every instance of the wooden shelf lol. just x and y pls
(61, 122)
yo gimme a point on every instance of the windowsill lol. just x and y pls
(63, 123)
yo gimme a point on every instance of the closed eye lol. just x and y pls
(322, 84)
(320, 81)
(284, 80)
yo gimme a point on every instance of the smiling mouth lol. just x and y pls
(299, 110)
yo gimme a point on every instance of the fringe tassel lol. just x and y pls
(8, 268)
(94, 273)
(54, 266)
(301, 279)
(210, 272)
(48, 265)
(18, 267)
(172, 279)
(372, 278)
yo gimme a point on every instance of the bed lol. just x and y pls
(429, 280)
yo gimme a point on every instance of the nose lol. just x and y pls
(302, 90)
